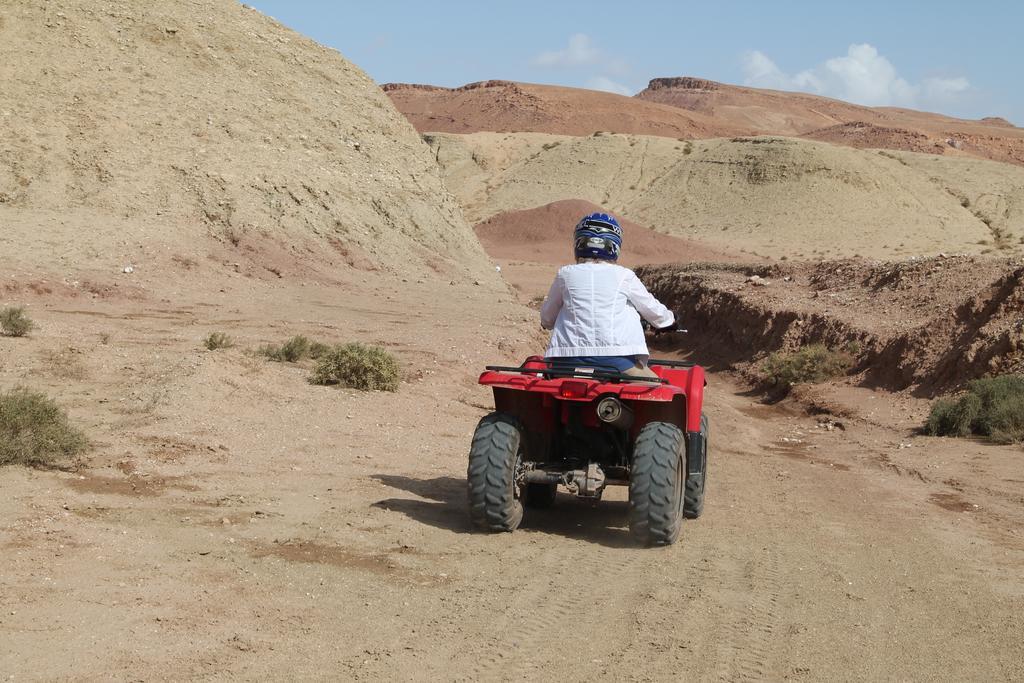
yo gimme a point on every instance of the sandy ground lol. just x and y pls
(234, 522)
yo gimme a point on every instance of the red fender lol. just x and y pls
(694, 397)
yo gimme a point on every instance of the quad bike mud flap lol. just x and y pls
(696, 470)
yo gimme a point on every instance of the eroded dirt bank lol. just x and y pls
(926, 325)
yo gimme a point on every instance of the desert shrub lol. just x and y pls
(318, 349)
(295, 349)
(991, 407)
(291, 351)
(813, 363)
(953, 418)
(34, 430)
(218, 340)
(358, 366)
(14, 322)
(270, 352)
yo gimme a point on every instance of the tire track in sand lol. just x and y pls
(571, 594)
(587, 610)
(743, 650)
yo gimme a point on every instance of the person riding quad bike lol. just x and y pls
(596, 411)
(593, 307)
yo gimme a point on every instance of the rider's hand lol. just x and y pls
(665, 330)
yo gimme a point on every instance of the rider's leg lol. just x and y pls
(639, 369)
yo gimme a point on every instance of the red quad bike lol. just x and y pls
(586, 428)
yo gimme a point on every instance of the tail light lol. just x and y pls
(573, 389)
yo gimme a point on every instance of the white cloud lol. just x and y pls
(608, 85)
(583, 54)
(867, 77)
(862, 75)
(579, 52)
(760, 71)
(939, 88)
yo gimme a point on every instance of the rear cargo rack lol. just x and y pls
(672, 363)
(584, 372)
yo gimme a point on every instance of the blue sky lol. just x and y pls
(960, 58)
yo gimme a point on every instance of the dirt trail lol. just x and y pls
(251, 526)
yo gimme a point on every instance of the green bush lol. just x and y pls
(14, 322)
(295, 349)
(953, 418)
(991, 407)
(813, 363)
(318, 349)
(218, 340)
(34, 430)
(357, 366)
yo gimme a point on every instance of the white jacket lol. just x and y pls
(592, 310)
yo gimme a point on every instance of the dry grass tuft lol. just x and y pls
(14, 322)
(358, 366)
(813, 363)
(218, 340)
(35, 431)
(295, 349)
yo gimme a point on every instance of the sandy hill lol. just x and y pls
(709, 109)
(775, 112)
(525, 107)
(543, 234)
(530, 244)
(775, 197)
(139, 130)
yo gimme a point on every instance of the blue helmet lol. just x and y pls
(597, 236)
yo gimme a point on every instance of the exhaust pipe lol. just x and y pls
(614, 412)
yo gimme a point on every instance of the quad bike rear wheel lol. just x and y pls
(656, 484)
(496, 453)
(693, 497)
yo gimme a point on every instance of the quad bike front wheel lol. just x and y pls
(496, 452)
(657, 484)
